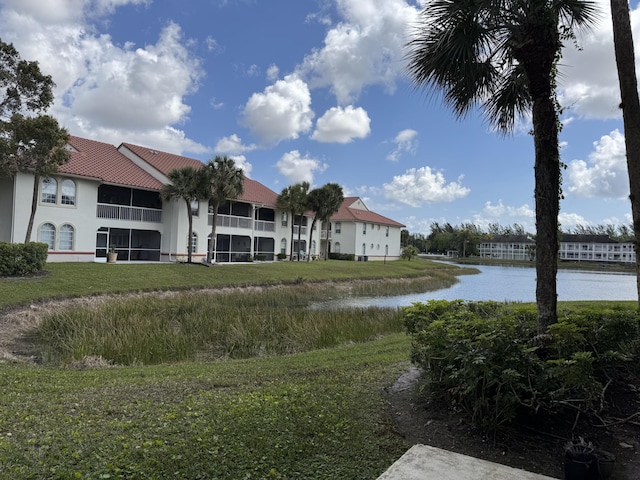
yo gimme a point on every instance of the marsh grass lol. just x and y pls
(206, 326)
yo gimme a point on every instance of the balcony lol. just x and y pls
(133, 214)
(324, 235)
(262, 226)
(303, 231)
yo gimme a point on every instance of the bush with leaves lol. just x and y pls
(488, 359)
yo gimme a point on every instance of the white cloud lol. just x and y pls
(297, 168)
(605, 174)
(505, 215)
(105, 91)
(419, 186)
(342, 125)
(405, 142)
(232, 145)
(588, 91)
(365, 48)
(570, 220)
(241, 162)
(272, 73)
(281, 112)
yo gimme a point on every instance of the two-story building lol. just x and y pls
(107, 196)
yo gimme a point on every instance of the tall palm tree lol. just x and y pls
(625, 60)
(324, 202)
(502, 55)
(225, 182)
(187, 184)
(293, 199)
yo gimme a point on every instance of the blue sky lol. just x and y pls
(317, 90)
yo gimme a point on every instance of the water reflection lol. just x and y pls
(515, 284)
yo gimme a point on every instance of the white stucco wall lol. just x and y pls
(6, 212)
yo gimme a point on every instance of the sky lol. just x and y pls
(318, 91)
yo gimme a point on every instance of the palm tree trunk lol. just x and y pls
(313, 222)
(190, 237)
(212, 241)
(291, 246)
(299, 235)
(34, 206)
(625, 60)
(547, 198)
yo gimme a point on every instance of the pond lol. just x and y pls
(514, 284)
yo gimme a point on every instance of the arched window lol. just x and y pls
(67, 232)
(386, 249)
(49, 190)
(68, 192)
(283, 245)
(194, 242)
(364, 249)
(47, 234)
(336, 247)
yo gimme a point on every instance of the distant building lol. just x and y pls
(588, 248)
(107, 196)
(508, 247)
(595, 248)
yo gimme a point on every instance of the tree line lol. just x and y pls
(466, 237)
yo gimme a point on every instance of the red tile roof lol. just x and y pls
(164, 162)
(348, 214)
(104, 162)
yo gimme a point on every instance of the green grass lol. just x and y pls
(313, 415)
(316, 415)
(80, 279)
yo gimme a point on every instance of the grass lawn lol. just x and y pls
(80, 279)
(319, 414)
(316, 415)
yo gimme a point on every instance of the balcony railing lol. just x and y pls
(231, 221)
(262, 226)
(296, 227)
(133, 214)
(324, 234)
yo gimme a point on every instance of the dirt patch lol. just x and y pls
(535, 446)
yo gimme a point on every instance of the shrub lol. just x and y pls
(342, 256)
(282, 256)
(409, 252)
(17, 259)
(487, 358)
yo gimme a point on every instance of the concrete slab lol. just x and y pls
(422, 462)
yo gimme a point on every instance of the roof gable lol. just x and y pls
(353, 209)
(102, 161)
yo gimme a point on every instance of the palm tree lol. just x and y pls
(502, 55)
(625, 60)
(187, 184)
(293, 199)
(324, 202)
(225, 182)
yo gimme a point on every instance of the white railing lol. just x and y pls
(134, 214)
(262, 226)
(324, 235)
(231, 221)
(296, 227)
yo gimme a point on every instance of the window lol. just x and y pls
(364, 249)
(49, 190)
(47, 234)
(68, 192)
(338, 228)
(283, 246)
(284, 220)
(387, 234)
(336, 247)
(66, 237)
(195, 207)
(386, 249)
(372, 246)
(194, 242)
(364, 228)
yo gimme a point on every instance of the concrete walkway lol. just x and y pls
(422, 462)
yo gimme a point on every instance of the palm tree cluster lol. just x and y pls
(218, 181)
(323, 202)
(501, 55)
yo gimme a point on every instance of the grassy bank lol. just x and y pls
(62, 280)
(315, 415)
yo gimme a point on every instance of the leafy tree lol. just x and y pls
(226, 182)
(502, 54)
(625, 61)
(187, 184)
(293, 199)
(324, 202)
(23, 88)
(28, 144)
